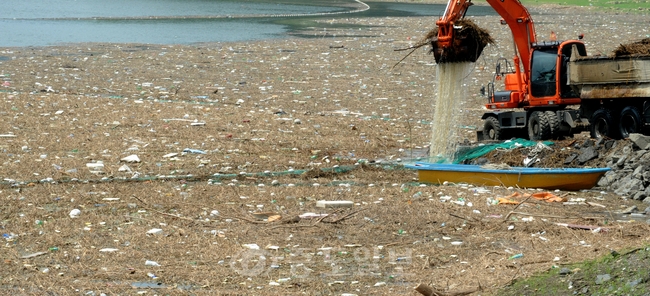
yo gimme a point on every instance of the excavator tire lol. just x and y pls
(553, 123)
(602, 124)
(492, 129)
(629, 121)
(538, 127)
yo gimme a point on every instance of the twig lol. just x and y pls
(247, 220)
(632, 251)
(345, 217)
(461, 217)
(414, 47)
(514, 276)
(328, 215)
(541, 215)
(163, 213)
(535, 262)
(317, 221)
(513, 210)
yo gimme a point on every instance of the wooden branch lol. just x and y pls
(412, 51)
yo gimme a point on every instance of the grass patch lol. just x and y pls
(627, 273)
(623, 5)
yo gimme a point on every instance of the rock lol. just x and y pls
(587, 154)
(628, 210)
(609, 144)
(627, 150)
(640, 195)
(481, 161)
(634, 283)
(564, 271)
(640, 141)
(647, 210)
(621, 161)
(571, 158)
(628, 185)
(608, 179)
(587, 143)
(602, 278)
(638, 172)
(645, 176)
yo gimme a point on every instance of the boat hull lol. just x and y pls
(562, 178)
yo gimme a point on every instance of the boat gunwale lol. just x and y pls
(512, 170)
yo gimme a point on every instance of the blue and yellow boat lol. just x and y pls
(544, 178)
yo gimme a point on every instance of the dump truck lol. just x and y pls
(551, 89)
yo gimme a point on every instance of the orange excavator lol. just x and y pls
(535, 80)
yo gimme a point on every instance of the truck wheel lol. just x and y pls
(629, 121)
(491, 129)
(602, 124)
(553, 123)
(538, 127)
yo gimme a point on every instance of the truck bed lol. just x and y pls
(609, 77)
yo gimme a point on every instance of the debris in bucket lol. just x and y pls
(467, 45)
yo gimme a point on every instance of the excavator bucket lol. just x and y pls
(467, 44)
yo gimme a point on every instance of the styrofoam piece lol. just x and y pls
(131, 158)
(334, 204)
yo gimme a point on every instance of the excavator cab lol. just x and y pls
(509, 97)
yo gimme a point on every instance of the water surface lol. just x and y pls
(55, 22)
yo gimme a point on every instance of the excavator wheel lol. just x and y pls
(602, 124)
(629, 121)
(553, 123)
(492, 129)
(538, 126)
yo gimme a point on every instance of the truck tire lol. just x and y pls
(629, 121)
(538, 127)
(602, 124)
(553, 123)
(492, 129)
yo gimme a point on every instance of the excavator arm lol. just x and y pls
(516, 16)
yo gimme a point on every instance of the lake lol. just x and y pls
(57, 22)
